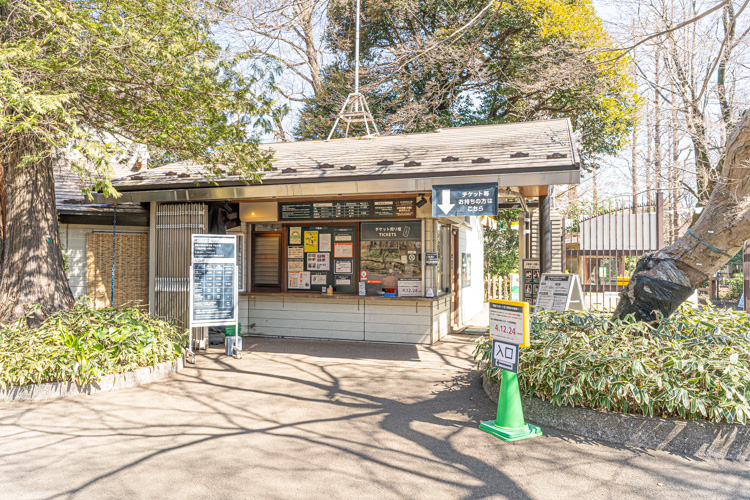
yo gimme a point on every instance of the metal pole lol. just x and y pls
(356, 53)
(545, 234)
(114, 236)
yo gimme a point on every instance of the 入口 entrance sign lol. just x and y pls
(464, 199)
(213, 280)
(504, 355)
(559, 292)
(509, 331)
(509, 321)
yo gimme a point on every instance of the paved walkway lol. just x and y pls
(310, 419)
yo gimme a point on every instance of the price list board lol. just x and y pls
(358, 209)
(323, 210)
(394, 208)
(213, 280)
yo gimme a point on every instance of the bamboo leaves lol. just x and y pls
(694, 364)
(82, 345)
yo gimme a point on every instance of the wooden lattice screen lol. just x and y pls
(131, 269)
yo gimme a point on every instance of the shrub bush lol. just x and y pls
(692, 365)
(84, 344)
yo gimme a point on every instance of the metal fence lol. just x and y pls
(603, 248)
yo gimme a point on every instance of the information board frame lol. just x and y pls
(504, 355)
(207, 259)
(573, 297)
(507, 317)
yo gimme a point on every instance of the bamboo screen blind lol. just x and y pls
(131, 269)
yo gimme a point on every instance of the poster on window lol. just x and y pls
(299, 281)
(311, 241)
(318, 261)
(295, 235)
(319, 278)
(296, 252)
(324, 242)
(343, 267)
(296, 265)
(343, 280)
(343, 250)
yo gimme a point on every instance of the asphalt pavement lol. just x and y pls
(315, 419)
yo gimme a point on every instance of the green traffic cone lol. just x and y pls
(509, 424)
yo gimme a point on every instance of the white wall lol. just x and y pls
(471, 241)
(372, 319)
(73, 240)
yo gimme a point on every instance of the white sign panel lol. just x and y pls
(213, 280)
(508, 321)
(558, 292)
(504, 355)
(409, 288)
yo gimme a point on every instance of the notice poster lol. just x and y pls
(318, 262)
(296, 265)
(343, 267)
(342, 237)
(558, 292)
(324, 242)
(295, 235)
(343, 250)
(409, 288)
(343, 280)
(296, 252)
(509, 321)
(299, 281)
(319, 278)
(311, 241)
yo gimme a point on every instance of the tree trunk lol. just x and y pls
(663, 280)
(32, 260)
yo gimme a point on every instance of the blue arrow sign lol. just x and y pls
(464, 199)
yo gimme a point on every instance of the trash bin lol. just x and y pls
(229, 343)
(229, 330)
(229, 338)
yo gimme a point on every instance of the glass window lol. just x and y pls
(390, 252)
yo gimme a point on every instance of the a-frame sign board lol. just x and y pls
(559, 292)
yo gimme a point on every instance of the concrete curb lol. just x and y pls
(686, 437)
(112, 382)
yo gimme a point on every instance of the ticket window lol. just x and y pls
(391, 258)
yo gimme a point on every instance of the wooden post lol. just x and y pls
(746, 274)
(659, 220)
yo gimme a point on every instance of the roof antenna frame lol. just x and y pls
(355, 108)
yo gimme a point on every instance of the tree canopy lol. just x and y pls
(81, 80)
(81, 76)
(432, 63)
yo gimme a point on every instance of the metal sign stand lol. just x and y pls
(215, 253)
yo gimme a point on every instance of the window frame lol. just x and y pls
(266, 288)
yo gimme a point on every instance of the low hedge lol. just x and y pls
(84, 344)
(693, 365)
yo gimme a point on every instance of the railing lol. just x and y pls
(496, 287)
(603, 248)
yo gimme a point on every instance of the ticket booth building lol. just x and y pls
(355, 216)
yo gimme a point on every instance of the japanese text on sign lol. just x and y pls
(504, 355)
(213, 280)
(509, 321)
(464, 199)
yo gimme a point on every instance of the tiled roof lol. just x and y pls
(539, 146)
(70, 201)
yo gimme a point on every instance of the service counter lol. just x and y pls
(411, 320)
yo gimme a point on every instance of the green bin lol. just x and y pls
(229, 330)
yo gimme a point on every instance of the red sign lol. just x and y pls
(363, 275)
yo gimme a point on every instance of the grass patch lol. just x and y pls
(84, 344)
(693, 365)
